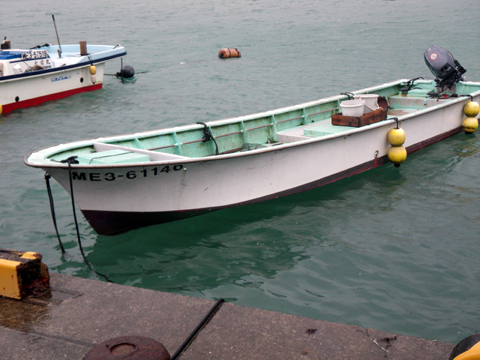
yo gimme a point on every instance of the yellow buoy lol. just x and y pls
(92, 69)
(396, 137)
(1, 109)
(470, 124)
(397, 155)
(471, 109)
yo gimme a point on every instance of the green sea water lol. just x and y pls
(390, 249)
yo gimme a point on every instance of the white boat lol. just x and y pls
(30, 77)
(126, 182)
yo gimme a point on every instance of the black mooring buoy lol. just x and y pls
(127, 72)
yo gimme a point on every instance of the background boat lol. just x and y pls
(49, 72)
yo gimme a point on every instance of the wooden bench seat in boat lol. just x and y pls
(403, 105)
(112, 157)
(292, 135)
(117, 154)
(412, 103)
(317, 129)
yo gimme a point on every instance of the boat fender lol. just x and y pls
(470, 123)
(1, 109)
(397, 153)
(228, 53)
(396, 137)
(93, 71)
(471, 109)
(467, 349)
(127, 72)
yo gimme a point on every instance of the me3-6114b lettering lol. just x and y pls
(129, 175)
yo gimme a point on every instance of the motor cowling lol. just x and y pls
(443, 65)
(440, 61)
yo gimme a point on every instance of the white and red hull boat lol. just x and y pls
(30, 77)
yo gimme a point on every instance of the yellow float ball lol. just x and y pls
(92, 69)
(397, 155)
(471, 109)
(396, 137)
(470, 124)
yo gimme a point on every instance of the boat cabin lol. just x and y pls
(17, 61)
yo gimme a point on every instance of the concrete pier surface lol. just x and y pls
(81, 313)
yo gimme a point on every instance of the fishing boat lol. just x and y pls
(130, 181)
(48, 72)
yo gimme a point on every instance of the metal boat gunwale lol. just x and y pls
(39, 158)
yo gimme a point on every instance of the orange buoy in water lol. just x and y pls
(228, 53)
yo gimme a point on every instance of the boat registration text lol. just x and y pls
(130, 175)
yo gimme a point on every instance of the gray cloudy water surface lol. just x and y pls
(390, 249)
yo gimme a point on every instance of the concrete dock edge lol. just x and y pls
(81, 313)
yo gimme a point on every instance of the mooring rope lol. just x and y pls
(71, 160)
(52, 210)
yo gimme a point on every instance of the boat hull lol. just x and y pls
(115, 222)
(108, 222)
(34, 90)
(120, 199)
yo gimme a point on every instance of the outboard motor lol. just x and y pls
(447, 70)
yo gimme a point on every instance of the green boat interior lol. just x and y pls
(292, 124)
